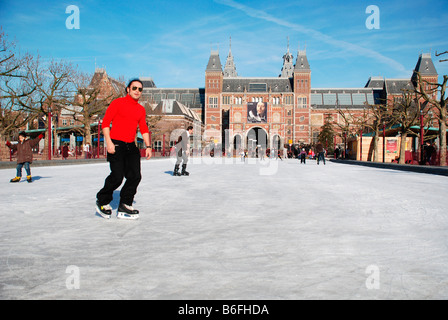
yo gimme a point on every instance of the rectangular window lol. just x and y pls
(213, 102)
(316, 98)
(173, 96)
(257, 87)
(187, 98)
(158, 97)
(370, 99)
(288, 99)
(226, 100)
(359, 98)
(344, 99)
(301, 102)
(330, 99)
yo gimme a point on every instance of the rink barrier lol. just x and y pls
(443, 171)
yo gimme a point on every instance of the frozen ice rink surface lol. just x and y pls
(272, 230)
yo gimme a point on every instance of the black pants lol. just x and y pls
(124, 163)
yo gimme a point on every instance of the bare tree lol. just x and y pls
(345, 127)
(12, 87)
(53, 87)
(87, 104)
(406, 113)
(439, 54)
(434, 95)
(153, 117)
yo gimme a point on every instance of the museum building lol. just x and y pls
(275, 112)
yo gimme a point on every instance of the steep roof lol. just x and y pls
(100, 75)
(398, 86)
(302, 62)
(214, 62)
(425, 65)
(172, 107)
(148, 82)
(375, 83)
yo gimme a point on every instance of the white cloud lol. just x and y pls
(317, 35)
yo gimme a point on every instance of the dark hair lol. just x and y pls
(189, 128)
(133, 80)
(22, 133)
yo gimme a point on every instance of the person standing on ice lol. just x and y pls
(302, 156)
(320, 151)
(24, 155)
(182, 152)
(125, 115)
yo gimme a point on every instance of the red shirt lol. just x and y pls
(125, 114)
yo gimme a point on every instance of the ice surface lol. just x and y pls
(274, 230)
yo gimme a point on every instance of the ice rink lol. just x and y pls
(231, 230)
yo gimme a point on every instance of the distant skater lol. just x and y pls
(302, 156)
(183, 152)
(125, 115)
(320, 151)
(24, 155)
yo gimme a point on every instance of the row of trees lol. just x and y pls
(31, 88)
(428, 100)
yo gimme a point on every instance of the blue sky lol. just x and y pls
(171, 41)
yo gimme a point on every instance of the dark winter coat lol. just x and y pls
(24, 149)
(64, 152)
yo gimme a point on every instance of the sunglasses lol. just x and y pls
(135, 88)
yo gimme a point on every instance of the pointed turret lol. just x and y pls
(214, 62)
(288, 66)
(230, 68)
(302, 62)
(425, 67)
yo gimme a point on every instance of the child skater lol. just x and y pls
(24, 155)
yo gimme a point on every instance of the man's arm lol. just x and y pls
(109, 144)
(147, 144)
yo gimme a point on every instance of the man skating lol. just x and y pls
(182, 152)
(125, 115)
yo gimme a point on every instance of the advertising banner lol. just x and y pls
(391, 145)
(257, 112)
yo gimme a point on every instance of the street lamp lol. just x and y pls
(384, 141)
(345, 145)
(360, 145)
(422, 161)
(49, 133)
(99, 133)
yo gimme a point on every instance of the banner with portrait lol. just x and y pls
(257, 112)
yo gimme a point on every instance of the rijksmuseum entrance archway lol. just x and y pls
(276, 142)
(256, 137)
(238, 143)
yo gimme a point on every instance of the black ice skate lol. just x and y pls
(104, 211)
(29, 179)
(176, 170)
(127, 212)
(184, 171)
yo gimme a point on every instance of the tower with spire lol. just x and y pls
(302, 94)
(288, 66)
(230, 68)
(213, 89)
